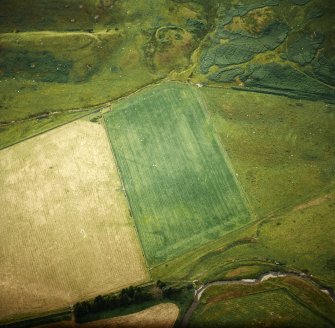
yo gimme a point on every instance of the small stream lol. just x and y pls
(269, 275)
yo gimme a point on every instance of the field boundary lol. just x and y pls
(113, 130)
(50, 129)
(102, 108)
(131, 213)
(44, 317)
(244, 195)
(119, 255)
(210, 242)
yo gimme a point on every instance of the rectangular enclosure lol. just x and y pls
(181, 190)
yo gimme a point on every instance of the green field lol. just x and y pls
(259, 248)
(282, 151)
(179, 184)
(277, 307)
(180, 141)
(288, 302)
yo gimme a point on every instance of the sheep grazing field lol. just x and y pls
(66, 234)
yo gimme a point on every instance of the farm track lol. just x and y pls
(46, 115)
(55, 33)
(266, 276)
(93, 108)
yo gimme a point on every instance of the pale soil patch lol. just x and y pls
(254, 22)
(162, 316)
(65, 230)
(315, 202)
(240, 270)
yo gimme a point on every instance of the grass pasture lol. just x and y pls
(283, 153)
(180, 187)
(67, 55)
(65, 228)
(258, 248)
(288, 302)
(43, 72)
(282, 149)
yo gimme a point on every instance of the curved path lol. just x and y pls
(269, 275)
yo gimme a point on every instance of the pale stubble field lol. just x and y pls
(66, 234)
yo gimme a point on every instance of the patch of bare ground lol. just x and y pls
(241, 270)
(315, 202)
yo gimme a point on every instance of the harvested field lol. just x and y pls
(180, 187)
(65, 228)
(162, 316)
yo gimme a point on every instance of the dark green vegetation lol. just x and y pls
(303, 48)
(134, 299)
(128, 296)
(180, 188)
(61, 55)
(242, 47)
(286, 302)
(283, 153)
(226, 74)
(279, 79)
(272, 46)
(65, 55)
(48, 69)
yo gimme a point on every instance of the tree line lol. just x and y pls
(128, 296)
